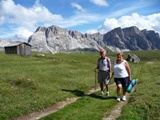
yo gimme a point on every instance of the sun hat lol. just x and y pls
(102, 51)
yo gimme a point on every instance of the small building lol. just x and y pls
(18, 48)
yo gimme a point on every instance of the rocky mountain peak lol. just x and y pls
(41, 29)
(55, 39)
(131, 31)
(55, 30)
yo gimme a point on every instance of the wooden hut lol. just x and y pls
(18, 48)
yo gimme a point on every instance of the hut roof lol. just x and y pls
(17, 44)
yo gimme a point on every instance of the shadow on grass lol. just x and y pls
(94, 95)
(104, 97)
(75, 92)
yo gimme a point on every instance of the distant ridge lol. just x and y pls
(4, 43)
(55, 39)
(132, 38)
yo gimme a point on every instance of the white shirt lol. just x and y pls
(103, 63)
(120, 70)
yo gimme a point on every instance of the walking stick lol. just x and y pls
(95, 79)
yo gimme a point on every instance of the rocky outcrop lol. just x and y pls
(55, 39)
(133, 58)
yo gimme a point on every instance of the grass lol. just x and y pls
(29, 84)
(89, 107)
(145, 103)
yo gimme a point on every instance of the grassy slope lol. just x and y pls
(91, 107)
(37, 82)
(145, 103)
(32, 83)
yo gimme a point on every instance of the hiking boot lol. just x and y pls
(107, 94)
(124, 98)
(118, 99)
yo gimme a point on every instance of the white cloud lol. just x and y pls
(28, 18)
(22, 34)
(80, 19)
(2, 20)
(25, 21)
(92, 31)
(100, 2)
(80, 8)
(150, 22)
(18, 14)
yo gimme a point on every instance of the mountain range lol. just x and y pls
(55, 39)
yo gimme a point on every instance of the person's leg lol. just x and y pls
(100, 81)
(124, 91)
(106, 82)
(107, 90)
(119, 86)
(101, 86)
(124, 94)
(125, 83)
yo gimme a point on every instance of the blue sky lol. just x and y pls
(20, 18)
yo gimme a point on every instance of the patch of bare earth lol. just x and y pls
(149, 62)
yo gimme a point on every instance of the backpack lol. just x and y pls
(109, 64)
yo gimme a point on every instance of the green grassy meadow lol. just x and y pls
(32, 83)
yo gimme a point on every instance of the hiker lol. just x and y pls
(103, 68)
(122, 75)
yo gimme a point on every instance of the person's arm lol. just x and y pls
(110, 69)
(112, 73)
(128, 70)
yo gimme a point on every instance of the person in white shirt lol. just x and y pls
(122, 75)
(104, 69)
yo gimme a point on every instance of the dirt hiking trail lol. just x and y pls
(112, 115)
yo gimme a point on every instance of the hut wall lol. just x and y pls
(11, 50)
(27, 50)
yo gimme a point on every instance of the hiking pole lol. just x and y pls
(111, 76)
(95, 78)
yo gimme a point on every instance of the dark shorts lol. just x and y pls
(123, 81)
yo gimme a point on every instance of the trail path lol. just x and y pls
(52, 109)
(117, 109)
(113, 114)
(47, 111)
